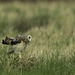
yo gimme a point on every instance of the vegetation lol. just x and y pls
(34, 0)
(52, 27)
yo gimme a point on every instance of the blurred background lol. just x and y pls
(23, 15)
(35, 0)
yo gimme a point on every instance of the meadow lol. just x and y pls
(52, 27)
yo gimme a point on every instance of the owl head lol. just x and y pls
(29, 38)
(26, 39)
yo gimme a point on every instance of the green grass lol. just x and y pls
(52, 27)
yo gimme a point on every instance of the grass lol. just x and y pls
(52, 27)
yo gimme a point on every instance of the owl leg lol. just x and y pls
(20, 55)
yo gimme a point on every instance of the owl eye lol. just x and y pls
(29, 37)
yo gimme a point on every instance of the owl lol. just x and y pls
(17, 44)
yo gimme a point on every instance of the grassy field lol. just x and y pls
(52, 27)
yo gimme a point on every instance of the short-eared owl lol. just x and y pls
(18, 43)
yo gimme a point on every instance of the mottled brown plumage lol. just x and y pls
(18, 43)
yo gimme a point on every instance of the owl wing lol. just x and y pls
(10, 41)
